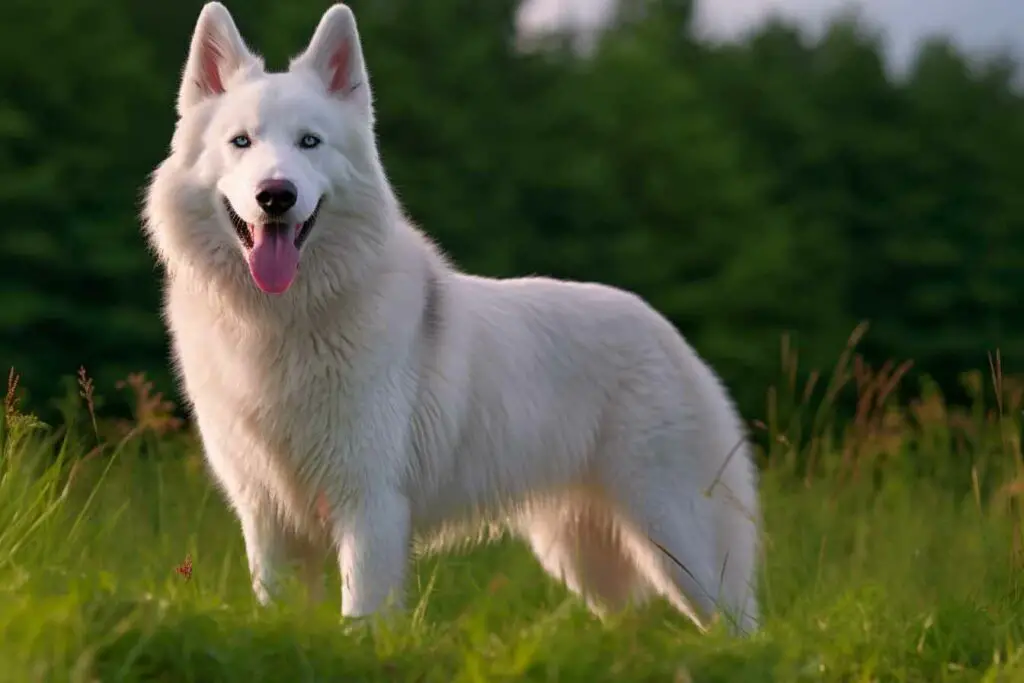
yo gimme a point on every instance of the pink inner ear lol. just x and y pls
(339, 66)
(209, 63)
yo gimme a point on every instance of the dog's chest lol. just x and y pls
(280, 408)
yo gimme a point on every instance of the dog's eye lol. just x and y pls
(309, 141)
(241, 141)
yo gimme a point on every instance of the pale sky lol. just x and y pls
(975, 25)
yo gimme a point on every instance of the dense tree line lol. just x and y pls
(781, 184)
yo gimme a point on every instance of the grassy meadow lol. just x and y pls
(893, 552)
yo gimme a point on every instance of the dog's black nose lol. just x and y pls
(276, 196)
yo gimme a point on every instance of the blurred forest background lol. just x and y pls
(779, 185)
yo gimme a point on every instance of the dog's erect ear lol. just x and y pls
(217, 52)
(336, 56)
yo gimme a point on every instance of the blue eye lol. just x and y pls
(309, 141)
(241, 141)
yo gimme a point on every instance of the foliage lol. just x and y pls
(778, 185)
(870, 571)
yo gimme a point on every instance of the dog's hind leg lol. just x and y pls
(578, 544)
(311, 556)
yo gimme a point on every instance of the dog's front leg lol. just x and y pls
(373, 537)
(265, 547)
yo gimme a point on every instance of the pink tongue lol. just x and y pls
(273, 259)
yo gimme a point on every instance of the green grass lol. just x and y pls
(876, 568)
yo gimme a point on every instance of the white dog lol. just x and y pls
(354, 391)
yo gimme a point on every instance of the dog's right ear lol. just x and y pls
(217, 52)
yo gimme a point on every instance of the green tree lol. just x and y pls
(644, 187)
(76, 288)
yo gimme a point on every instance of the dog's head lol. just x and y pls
(259, 158)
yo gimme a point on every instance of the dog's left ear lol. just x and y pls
(336, 56)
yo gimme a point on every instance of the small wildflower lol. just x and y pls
(185, 568)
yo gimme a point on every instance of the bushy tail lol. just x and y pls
(737, 526)
(733, 487)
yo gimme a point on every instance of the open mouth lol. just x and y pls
(246, 231)
(272, 248)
